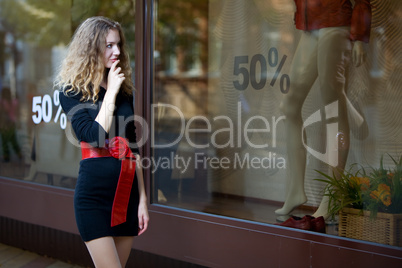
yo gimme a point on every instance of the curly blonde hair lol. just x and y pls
(83, 70)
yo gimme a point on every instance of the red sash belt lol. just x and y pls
(118, 148)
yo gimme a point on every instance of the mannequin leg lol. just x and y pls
(333, 59)
(296, 195)
(303, 74)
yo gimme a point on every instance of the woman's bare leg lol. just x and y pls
(103, 252)
(123, 247)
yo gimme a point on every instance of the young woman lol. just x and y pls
(97, 95)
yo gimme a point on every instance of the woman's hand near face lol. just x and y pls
(115, 78)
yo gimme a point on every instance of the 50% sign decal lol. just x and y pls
(43, 109)
(241, 67)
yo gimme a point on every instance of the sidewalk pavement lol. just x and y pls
(11, 257)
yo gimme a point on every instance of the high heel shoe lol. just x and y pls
(318, 224)
(297, 222)
(308, 223)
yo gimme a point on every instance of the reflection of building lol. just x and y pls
(212, 214)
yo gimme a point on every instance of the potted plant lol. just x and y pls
(369, 202)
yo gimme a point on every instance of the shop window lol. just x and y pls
(251, 112)
(34, 36)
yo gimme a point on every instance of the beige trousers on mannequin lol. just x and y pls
(322, 54)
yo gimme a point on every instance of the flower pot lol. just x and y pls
(386, 228)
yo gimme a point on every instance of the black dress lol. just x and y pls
(98, 177)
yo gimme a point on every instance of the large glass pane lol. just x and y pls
(33, 40)
(251, 112)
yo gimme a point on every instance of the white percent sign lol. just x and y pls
(43, 107)
(59, 114)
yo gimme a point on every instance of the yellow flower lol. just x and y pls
(363, 182)
(383, 193)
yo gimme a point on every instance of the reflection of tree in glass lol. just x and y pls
(47, 23)
(40, 22)
(183, 31)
